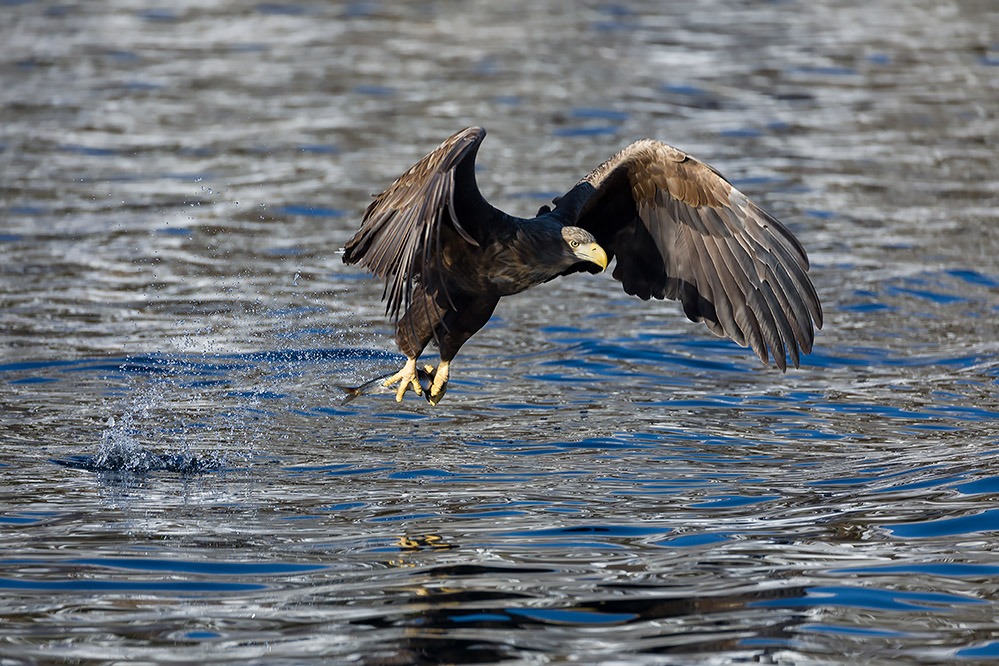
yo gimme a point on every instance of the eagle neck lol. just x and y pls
(570, 204)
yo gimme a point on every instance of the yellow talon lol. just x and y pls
(406, 378)
(439, 387)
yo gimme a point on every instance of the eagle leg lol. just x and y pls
(439, 387)
(406, 378)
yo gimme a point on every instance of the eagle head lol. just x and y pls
(580, 245)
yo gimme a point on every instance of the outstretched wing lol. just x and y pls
(681, 231)
(400, 239)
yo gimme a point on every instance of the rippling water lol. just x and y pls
(604, 481)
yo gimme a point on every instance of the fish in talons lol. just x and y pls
(421, 380)
(432, 388)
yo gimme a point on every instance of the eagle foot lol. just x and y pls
(439, 387)
(407, 378)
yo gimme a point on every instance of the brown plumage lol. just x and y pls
(678, 229)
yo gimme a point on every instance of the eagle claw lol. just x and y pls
(439, 387)
(407, 378)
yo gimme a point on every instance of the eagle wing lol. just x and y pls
(681, 231)
(400, 236)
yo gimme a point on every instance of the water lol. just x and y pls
(604, 482)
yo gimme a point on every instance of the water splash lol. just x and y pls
(120, 448)
(194, 411)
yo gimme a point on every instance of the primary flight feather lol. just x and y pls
(677, 228)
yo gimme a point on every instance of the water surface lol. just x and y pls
(605, 481)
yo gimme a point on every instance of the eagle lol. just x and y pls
(678, 229)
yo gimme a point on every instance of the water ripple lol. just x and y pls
(605, 481)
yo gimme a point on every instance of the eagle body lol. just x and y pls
(676, 227)
(520, 255)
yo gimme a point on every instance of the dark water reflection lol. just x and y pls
(604, 482)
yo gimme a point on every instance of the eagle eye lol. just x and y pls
(574, 243)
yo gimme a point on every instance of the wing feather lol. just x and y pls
(730, 263)
(735, 296)
(401, 238)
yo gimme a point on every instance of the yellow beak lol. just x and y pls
(593, 253)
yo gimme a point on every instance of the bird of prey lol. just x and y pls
(678, 229)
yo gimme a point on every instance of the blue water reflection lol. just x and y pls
(875, 599)
(986, 521)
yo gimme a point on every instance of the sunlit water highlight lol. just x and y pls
(604, 481)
